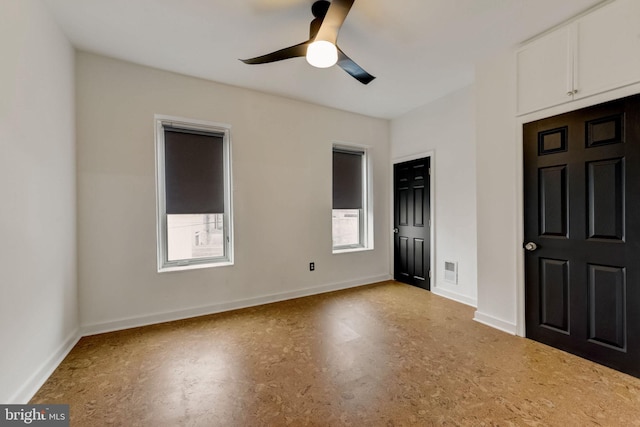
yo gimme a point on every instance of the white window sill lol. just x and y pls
(349, 250)
(194, 266)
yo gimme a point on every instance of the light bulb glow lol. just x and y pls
(322, 54)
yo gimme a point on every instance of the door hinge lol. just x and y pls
(429, 274)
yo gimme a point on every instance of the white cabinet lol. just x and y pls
(608, 42)
(593, 54)
(545, 71)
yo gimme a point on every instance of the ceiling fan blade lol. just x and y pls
(356, 71)
(333, 20)
(279, 55)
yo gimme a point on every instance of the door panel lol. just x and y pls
(554, 294)
(605, 199)
(402, 267)
(582, 210)
(607, 323)
(418, 206)
(553, 201)
(418, 259)
(403, 206)
(412, 211)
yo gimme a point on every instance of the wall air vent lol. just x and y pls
(451, 272)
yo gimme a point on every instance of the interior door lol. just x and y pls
(582, 232)
(412, 243)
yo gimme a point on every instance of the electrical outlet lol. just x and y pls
(312, 266)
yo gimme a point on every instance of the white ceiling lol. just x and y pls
(419, 50)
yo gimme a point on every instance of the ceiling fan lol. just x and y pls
(321, 49)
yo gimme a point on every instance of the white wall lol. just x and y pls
(496, 182)
(447, 127)
(282, 196)
(38, 288)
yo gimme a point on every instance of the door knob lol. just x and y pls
(530, 246)
(396, 231)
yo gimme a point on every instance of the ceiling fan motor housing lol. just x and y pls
(320, 8)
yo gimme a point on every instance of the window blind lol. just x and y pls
(347, 179)
(194, 171)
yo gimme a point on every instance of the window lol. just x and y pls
(351, 215)
(193, 179)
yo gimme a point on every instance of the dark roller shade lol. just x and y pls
(347, 180)
(194, 172)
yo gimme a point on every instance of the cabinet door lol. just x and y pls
(608, 54)
(545, 71)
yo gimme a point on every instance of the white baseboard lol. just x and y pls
(494, 322)
(455, 296)
(42, 374)
(150, 319)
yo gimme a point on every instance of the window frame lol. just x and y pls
(366, 216)
(220, 129)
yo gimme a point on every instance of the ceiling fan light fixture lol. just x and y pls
(321, 48)
(322, 54)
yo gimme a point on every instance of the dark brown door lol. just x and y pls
(412, 218)
(582, 232)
